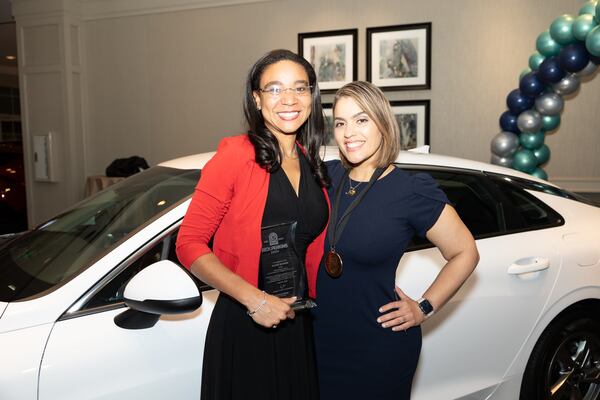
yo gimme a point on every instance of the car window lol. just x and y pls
(472, 199)
(542, 187)
(61, 248)
(522, 211)
(112, 292)
(491, 204)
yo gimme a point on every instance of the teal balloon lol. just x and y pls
(542, 154)
(583, 25)
(531, 140)
(592, 43)
(523, 73)
(588, 8)
(540, 173)
(597, 11)
(550, 122)
(535, 60)
(546, 46)
(524, 160)
(561, 29)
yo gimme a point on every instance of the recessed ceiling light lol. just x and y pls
(11, 58)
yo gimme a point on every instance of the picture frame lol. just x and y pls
(399, 56)
(333, 55)
(413, 120)
(328, 122)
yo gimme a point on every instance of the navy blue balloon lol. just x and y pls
(550, 70)
(573, 57)
(518, 102)
(508, 122)
(531, 85)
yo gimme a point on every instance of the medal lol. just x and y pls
(333, 264)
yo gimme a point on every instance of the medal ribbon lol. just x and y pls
(337, 225)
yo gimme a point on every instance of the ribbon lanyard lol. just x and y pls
(337, 225)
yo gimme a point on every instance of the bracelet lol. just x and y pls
(262, 303)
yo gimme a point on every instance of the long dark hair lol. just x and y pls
(311, 133)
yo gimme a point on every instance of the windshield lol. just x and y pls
(64, 246)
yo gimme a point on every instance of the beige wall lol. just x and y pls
(168, 81)
(170, 84)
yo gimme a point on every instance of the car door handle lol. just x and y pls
(529, 264)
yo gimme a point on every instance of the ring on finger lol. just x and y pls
(274, 326)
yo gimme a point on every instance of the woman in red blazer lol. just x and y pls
(256, 345)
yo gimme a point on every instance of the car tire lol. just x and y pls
(565, 362)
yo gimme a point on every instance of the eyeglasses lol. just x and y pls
(277, 91)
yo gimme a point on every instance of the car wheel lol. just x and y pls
(565, 362)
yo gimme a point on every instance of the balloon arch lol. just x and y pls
(568, 51)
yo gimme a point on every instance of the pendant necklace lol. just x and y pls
(352, 189)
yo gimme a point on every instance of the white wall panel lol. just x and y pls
(41, 45)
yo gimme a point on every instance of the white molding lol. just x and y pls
(100, 9)
(578, 184)
(23, 9)
(88, 10)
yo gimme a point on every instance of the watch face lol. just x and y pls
(426, 306)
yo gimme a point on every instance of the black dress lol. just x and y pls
(243, 360)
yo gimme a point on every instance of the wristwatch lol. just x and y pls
(425, 306)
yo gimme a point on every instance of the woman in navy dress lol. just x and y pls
(367, 331)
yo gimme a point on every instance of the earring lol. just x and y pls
(258, 108)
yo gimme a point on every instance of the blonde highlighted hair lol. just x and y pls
(373, 102)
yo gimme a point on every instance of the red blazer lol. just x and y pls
(229, 202)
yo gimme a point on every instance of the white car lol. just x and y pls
(525, 325)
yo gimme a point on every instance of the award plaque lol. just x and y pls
(282, 272)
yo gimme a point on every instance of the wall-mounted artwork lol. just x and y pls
(328, 114)
(413, 120)
(333, 55)
(399, 57)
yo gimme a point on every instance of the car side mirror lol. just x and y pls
(162, 288)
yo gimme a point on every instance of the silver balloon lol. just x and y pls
(529, 121)
(549, 103)
(502, 161)
(589, 69)
(504, 144)
(567, 85)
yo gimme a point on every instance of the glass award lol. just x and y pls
(282, 271)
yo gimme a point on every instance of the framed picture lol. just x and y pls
(328, 114)
(413, 120)
(333, 55)
(399, 57)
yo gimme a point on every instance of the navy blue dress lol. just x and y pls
(356, 357)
